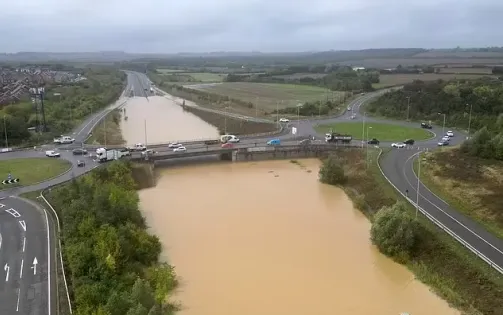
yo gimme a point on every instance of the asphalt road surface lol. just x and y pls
(33, 289)
(24, 259)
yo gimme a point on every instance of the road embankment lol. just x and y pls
(108, 131)
(453, 272)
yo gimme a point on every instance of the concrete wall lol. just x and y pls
(276, 155)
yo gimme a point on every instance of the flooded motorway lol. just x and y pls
(268, 238)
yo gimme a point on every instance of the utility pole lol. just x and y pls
(38, 94)
(470, 119)
(105, 130)
(145, 127)
(418, 181)
(408, 107)
(225, 121)
(5, 131)
(443, 126)
(277, 113)
(367, 157)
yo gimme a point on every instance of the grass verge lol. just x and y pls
(231, 125)
(32, 170)
(381, 131)
(471, 185)
(453, 272)
(108, 131)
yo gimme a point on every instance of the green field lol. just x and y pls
(169, 71)
(32, 170)
(206, 76)
(380, 131)
(268, 95)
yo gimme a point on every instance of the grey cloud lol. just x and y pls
(279, 25)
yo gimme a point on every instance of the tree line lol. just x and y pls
(111, 260)
(65, 106)
(337, 78)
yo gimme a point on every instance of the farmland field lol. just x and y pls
(467, 70)
(297, 76)
(397, 79)
(268, 94)
(207, 76)
(169, 71)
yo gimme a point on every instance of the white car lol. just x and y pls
(450, 133)
(284, 120)
(180, 149)
(398, 145)
(175, 145)
(148, 151)
(446, 138)
(233, 140)
(52, 153)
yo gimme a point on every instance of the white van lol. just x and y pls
(229, 139)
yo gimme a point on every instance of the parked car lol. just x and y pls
(373, 141)
(409, 141)
(52, 153)
(426, 126)
(274, 142)
(398, 145)
(450, 133)
(227, 145)
(79, 152)
(81, 163)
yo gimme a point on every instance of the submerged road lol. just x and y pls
(30, 280)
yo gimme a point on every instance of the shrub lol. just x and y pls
(394, 232)
(332, 172)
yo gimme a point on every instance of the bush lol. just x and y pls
(394, 232)
(332, 172)
(112, 261)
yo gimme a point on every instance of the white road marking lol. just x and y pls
(6, 268)
(13, 212)
(0, 241)
(447, 214)
(18, 296)
(48, 264)
(35, 262)
(21, 272)
(24, 243)
(2, 205)
(23, 225)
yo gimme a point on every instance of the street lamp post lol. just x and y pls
(367, 153)
(277, 113)
(418, 181)
(5, 131)
(408, 107)
(443, 126)
(363, 128)
(470, 119)
(298, 113)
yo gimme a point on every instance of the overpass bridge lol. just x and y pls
(249, 152)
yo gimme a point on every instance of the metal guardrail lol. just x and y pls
(442, 226)
(60, 250)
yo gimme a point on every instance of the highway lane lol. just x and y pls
(24, 259)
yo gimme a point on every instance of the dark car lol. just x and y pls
(426, 125)
(81, 163)
(373, 141)
(409, 142)
(79, 152)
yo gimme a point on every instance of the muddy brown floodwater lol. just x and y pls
(268, 238)
(165, 121)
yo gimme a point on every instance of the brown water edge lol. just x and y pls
(268, 238)
(165, 121)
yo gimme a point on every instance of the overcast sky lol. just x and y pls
(166, 26)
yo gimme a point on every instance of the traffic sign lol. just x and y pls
(10, 181)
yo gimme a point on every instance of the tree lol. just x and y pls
(142, 293)
(331, 172)
(137, 310)
(393, 231)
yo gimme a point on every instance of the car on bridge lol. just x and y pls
(284, 120)
(227, 145)
(180, 149)
(229, 138)
(79, 151)
(373, 141)
(174, 145)
(274, 142)
(137, 147)
(398, 145)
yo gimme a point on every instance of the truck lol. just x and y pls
(64, 140)
(137, 147)
(105, 155)
(337, 137)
